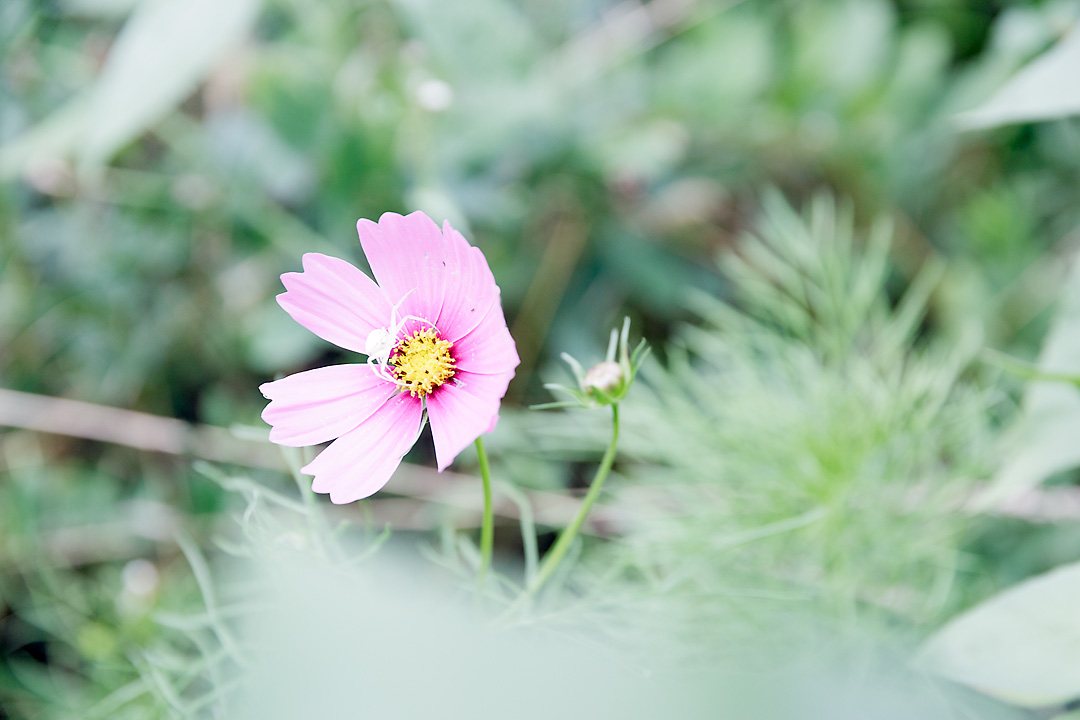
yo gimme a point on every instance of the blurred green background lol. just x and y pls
(162, 163)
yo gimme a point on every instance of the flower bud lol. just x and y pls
(606, 383)
(605, 376)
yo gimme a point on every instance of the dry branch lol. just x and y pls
(154, 433)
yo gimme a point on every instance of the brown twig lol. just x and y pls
(154, 433)
(426, 496)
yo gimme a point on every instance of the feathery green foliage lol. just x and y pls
(805, 451)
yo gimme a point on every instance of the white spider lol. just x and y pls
(381, 341)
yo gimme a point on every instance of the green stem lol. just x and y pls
(487, 527)
(555, 555)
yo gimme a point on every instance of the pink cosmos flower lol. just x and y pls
(436, 341)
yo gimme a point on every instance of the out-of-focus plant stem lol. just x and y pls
(295, 460)
(561, 256)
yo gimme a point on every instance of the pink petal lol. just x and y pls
(462, 410)
(470, 287)
(319, 405)
(361, 461)
(488, 349)
(409, 259)
(335, 300)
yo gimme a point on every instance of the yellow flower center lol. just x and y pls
(421, 362)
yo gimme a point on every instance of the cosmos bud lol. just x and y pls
(607, 382)
(605, 376)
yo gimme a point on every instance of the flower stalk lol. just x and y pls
(604, 384)
(566, 538)
(487, 525)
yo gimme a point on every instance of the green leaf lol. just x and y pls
(98, 8)
(165, 49)
(1044, 89)
(52, 137)
(1021, 646)
(1043, 441)
(1026, 370)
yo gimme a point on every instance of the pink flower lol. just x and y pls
(436, 340)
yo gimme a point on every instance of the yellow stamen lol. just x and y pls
(421, 362)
